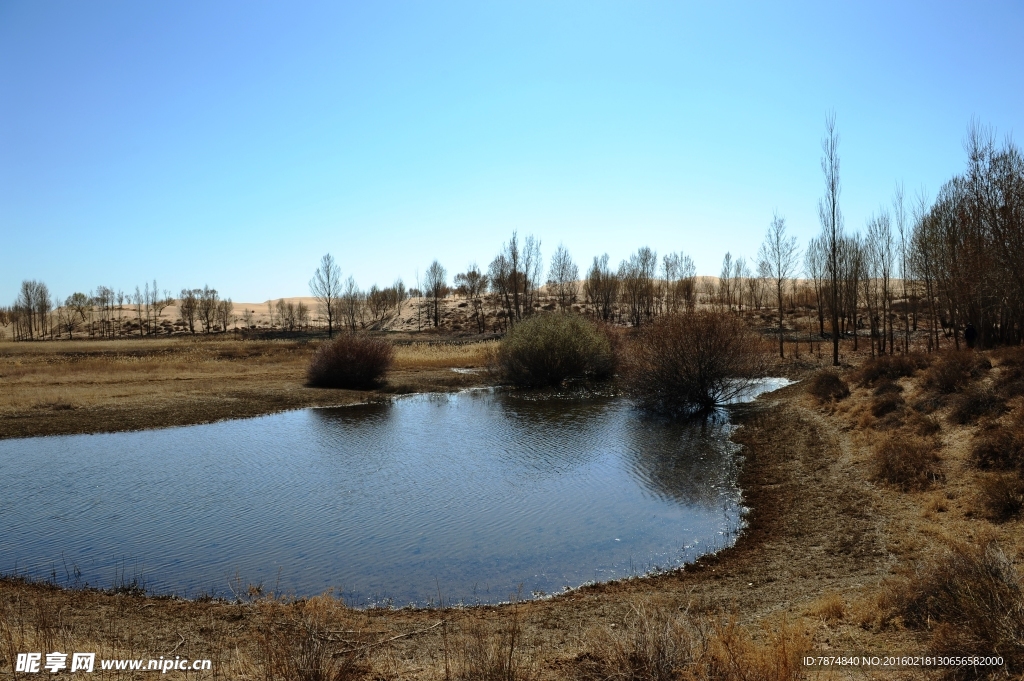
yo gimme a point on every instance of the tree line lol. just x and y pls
(942, 266)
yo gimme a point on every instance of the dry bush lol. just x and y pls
(1002, 496)
(658, 645)
(830, 607)
(887, 386)
(923, 425)
(955, 369)
(547, 349)
(889, 367)
(1010, 382)
(999, 448)
(827, 386)
(977, 594)
(294, 642)
(910, 464)
(351, 361)
(975, 403)
(690, 363)
(886, 404)
(493, 654)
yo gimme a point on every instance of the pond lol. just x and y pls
(471, 496)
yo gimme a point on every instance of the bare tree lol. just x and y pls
(725, 283)
(437, 288)
(208, 302)
(637, 281)
(601, 287)
(564, 276)
(777, 262)
(326, 288)
(831, 218)
(188, 306)
(224, 313)
(352, 304)
(472, 283)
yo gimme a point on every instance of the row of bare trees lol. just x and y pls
(105, 313)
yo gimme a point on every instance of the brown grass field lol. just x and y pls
(844, 553)
(90, 386)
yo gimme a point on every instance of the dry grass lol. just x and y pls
(831, 607)
(975, 593)
(98, 386)
(907, 463)
(656, 645)
(444, 355)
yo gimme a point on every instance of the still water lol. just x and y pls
(473, 496)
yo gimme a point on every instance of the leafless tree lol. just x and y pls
(725, 283)
(225, 308)
(831, 218)
(188, 306)
(777, 262)
(208, 302)
(601, 287)
(352, 304)
(326, 288)
(637, 284)
(437, 288)
(472, 284)
(563, 278)
(680, 282)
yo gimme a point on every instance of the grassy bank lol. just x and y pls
(837, 558)
(104, 386)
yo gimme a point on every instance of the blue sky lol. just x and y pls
(233, 143)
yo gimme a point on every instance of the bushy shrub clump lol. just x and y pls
(827, 385)
(974, 403)
(907, 463)
(690, 363)
(975, 595)
(1002, 496)
(999, 448)
(886, 403)
(955, 369)
(547, 349)
(890, 367)
(351, 361)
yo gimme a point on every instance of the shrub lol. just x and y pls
(998, 448)
(886, 404)
(955, 369)
(974, 403)
(889, 367)
(1010, 382)
(1002, 496)
(827, 386)
(351, 361)
(908, 464)
(976, 592)
(546, 349)
(690, 363)
(887, 387)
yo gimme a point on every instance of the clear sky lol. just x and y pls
(233, 143)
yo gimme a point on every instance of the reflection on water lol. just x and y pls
(472, 494)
